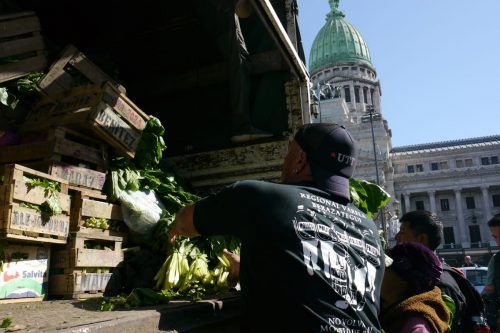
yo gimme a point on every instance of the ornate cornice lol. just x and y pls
(448, 174)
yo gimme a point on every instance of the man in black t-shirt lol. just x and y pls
(310, 260)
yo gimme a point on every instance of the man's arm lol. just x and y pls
(184, 224)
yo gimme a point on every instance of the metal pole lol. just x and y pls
(319, 102)
(371, 109)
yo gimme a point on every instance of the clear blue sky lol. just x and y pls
(438, 62)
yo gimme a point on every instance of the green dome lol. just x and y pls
(337, 43)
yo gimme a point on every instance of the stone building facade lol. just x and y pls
(458, 180)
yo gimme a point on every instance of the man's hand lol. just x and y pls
(183, 224)
(234, 268)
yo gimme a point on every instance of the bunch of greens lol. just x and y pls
(13, 92)
(96, 223)
(51, 206)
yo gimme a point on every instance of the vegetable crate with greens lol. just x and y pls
(21, 46)
(83, 267)
(91, 213)
(63, 153)
(86, 250)
(34, 206)
(73, 69)
(102, 111)
(79, 283)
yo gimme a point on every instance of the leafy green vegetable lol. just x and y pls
(51, 206)
(6, 322)
(151, 146)
(368, 197)
(28, 83)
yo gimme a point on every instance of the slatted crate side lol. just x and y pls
(58, 79)
(20, 33)
(76, 176)
(12, 172)
(87, 205)
(78, 284)
(75, 255)
(27, 224)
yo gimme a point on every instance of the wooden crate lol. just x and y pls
(102, 111)
(78, 284)
(86, 204)
(63, 153)
(76, 255)
(18, 222)
(21, 46)
(24, 277)
(59, 78)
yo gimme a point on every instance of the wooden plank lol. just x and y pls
(86, 192)
(56, 70)
(98, 258)
(21, 68)
(80, 151)
(93, 233)
(27, 152)
(20, 46)
(37, 174)
(26, 219)
(88, 69)
(78, 175)
(21, 300)
(37, 195)
(99, 209)
(125, 107)
(115, 127)
(19, 26)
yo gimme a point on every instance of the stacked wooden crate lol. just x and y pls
(21, 46)
(25, 231)
(82, 116)
(83, 267)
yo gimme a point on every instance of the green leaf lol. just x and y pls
(368, 197)
(6, 322)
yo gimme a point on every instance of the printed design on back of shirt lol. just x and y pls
(337, 245)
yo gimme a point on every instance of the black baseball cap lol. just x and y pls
(331, 152)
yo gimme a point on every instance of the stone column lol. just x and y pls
(407, 202)
(362, 98)
(460, 216)
(432, 199)
(353, 95)
(486, 203)
(370, 102)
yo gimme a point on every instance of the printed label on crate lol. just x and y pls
(80, 176)
(94, 281)
(25, 271)
(30, 220)
(116, 127)
(125, 109)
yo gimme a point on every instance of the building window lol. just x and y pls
(445, 205)
(485, 161)
(449, 235)
(420, 167)
(459, 163)
(475, 234)
(411, 169)
(347, 94)
(470, 203)
(345, 68)
(469, 162)
(365, 95)
(354, 68)
(362, 70)
(496, 200)
(439, 166)
(336, 70)
(419, 204)
(356, 95)
(494, 159)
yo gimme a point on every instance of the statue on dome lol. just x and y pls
(334, 4)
